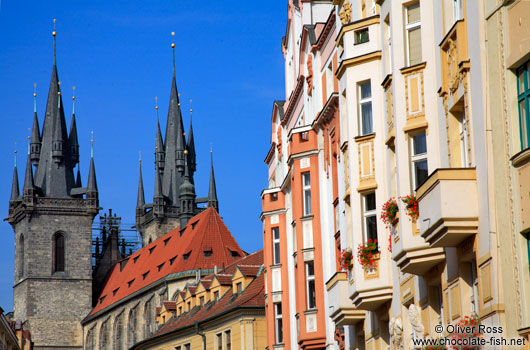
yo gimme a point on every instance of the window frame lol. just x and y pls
(416, 158)
(59, 257)
(524, 97)
(365, 101)
(408, 28)
(228, 339)
(278, 323)
(458, 10)
(369, 213)
(306, 194)
(276, 248)
(359, 37)
(464, 140)
(310, 280)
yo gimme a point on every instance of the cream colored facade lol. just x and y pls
(433, 100)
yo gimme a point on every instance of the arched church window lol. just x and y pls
(149, 315)
(58, 252)
(118, 330)
(131, 327)
(89, 341)
(21, 257)
(104, 343)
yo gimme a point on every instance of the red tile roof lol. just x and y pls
(252, 296)
(249, 270)
(224, 279)
(170, 305)
(177, 251)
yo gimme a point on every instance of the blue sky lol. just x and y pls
(118, 55)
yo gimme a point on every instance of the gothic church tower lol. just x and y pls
(52, 219)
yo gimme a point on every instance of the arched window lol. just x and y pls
(89, 340)
(131, 327)
(58, 252)
(118, 330)
(149, 315)
(21, 257)
(104, 343)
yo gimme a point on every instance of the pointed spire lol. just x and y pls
(212, 190)
(14, 186)
(187, 195)
(74, 144)
(35, 143)
(58, 140)
(54, 33)
(159, 147)
(158, 185)
(29, 185)
(192, 162)
(78, 182)
(92, 185)
(140, 201)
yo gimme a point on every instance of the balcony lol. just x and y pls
(302, 139)
(342, 310)
(272, 199)
(373, 285)
(448, 203)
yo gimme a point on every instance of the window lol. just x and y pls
(219, 337)
(310, 281)
(523, 98)
(365, 107)
(187, 346)
(419, 159)
(118, 337)
(58, 252)
(149, 315)
(464, 143)
(294, 238)
(276, 245)
(228, 340)
(458, 10)
(201, 300)
(329, 79)
(216, 295)
(370, 217)
(104, 343)
(21, 258)
(306, 187)
(278, 322)
(413, 34)
(131, 330)
(239, 287)
(362, 36)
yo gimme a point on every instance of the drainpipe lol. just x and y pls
(201, 333)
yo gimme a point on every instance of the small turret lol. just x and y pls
(192, 161)
(187, 196)
(74, 144)
(58, 140)
(140, 199)
(212, 190)
(35, 143)
(15, 193)
(92, 185)
(28, 191)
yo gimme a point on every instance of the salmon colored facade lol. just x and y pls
(299, 230)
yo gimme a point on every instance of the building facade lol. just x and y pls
(419, 173)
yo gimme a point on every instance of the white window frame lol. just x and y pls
(277, 321)
(364, 101)
(464, 141)
(414, 158)
(306, 189)
(410, 27)
(458, 10)
(367, 214)
(310, 278)
(276, 243)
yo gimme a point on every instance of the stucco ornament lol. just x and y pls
(345, 13)
(395, 328)
(415, 322)
(309, 77)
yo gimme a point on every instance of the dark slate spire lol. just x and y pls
(29, 185)
(55, 172)
(212, 190)
(140, 201)
(192, 161)
(187, 196)
(35, 143)
(74, 144)
(174, 145)
(14, 186)
(158, 187)
(158, 197)
(78, 182)
(92, 186)
(159, 148)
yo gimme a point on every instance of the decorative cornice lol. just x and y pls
(521, 158)
(330, 24)
(376, 55)
(270, 153)
(331, 106)
(295, 95)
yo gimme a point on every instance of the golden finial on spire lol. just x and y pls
(211, 147)
(35, 97)
(54, 33)
(185, 151)
(140, 156)
(92, 144)
(156, 103)
(191, 110)
(15, 153)
(173, 40)
(73, 99)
